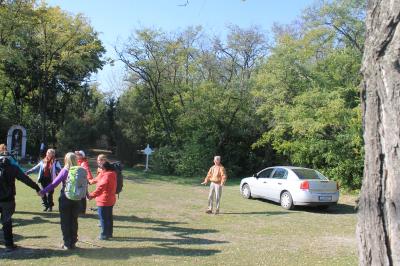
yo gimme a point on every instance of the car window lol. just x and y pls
(280, 173)
(308, 174)
(266, 173)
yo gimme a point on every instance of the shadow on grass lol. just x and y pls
(258, 213)
(339, 208)
(38, 218)
(181, 235)
(184, 240)
(101, 253)
(19, 237)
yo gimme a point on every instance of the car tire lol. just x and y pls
(246, 192)
(286, 201)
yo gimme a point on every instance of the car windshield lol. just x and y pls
(308, 174)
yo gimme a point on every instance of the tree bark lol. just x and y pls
(378, 228)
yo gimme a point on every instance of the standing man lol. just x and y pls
(8, 173)
(217, 176)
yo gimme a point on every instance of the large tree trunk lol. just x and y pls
(378, 227)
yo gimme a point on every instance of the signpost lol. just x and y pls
(148, 151)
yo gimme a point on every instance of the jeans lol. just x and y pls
(106, 220)
(217, 189)
(7, 209)
(47, 200)
(69, 212)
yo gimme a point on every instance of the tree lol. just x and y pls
(148, 54)
(379, 205)
(308, 94)
(46, 57)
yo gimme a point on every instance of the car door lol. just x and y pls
(277, 183)
(262, 183)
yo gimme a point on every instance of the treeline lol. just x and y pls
(291, 100)
(256, 99)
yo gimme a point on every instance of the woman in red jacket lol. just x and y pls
(105, 198)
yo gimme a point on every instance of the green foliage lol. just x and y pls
(85, 121)
(164, 160)
(46, 56)
(309, 89)
(257, 103)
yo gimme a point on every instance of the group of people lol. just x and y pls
(50, 175)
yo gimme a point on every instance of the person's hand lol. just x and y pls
(89, 197)
(40, 194)
(204, 183)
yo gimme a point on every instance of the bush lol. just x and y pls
(165, 160)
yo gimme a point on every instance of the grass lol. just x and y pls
(160, 220)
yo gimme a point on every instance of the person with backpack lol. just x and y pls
(74, 188)
(83, 162)
(105, 196)
(48, 169)
(8, 174)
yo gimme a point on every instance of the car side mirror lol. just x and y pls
(255, 175)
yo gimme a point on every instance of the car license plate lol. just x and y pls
(325, 198)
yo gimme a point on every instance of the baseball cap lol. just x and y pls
(82, 153)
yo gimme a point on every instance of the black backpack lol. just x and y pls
(120, 178)
(5, 186)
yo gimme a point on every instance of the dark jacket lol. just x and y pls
(7, 186)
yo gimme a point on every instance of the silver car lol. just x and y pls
(291, 186)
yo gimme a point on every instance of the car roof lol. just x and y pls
(288, 167)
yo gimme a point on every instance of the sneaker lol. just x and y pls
(208, 211)
(45, 209)
(65, 247)
(50, 209)
(11, 248)
(216, 212)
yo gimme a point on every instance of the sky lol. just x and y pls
(115, 20)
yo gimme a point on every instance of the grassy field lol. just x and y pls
(160, 220)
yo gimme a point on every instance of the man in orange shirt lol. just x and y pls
(217, 176)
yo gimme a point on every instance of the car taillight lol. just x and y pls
(305, 185)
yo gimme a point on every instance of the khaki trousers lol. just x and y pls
(217, 190)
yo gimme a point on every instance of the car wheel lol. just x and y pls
(246, 192)
(286, 201)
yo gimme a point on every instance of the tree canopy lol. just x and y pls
(256, 99)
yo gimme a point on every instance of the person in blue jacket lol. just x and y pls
(48, 169)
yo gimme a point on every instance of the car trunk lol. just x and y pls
(322, 186)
